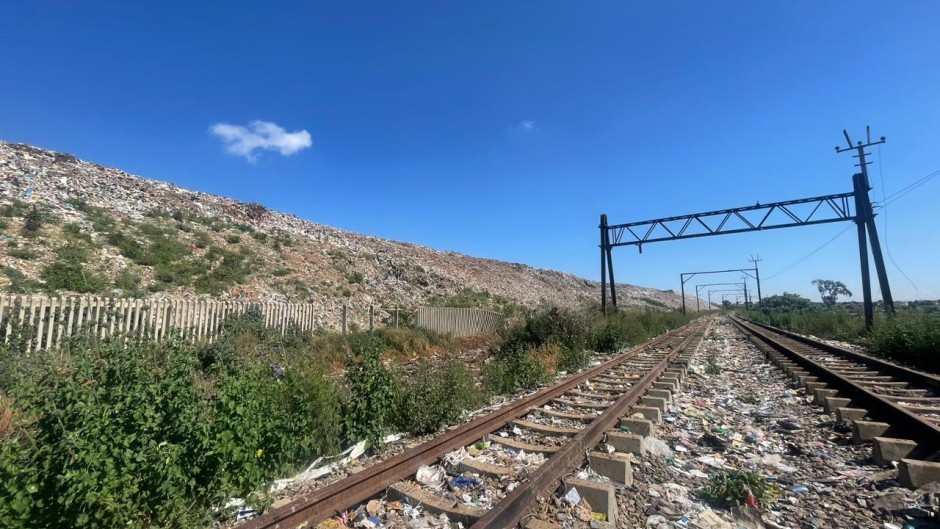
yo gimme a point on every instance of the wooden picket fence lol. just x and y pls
(44, 322)
(459, 322)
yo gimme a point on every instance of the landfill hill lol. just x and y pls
(107, 232)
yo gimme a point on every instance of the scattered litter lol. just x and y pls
(572, 496)
(658, 447)
(432, 477)
(460, 482)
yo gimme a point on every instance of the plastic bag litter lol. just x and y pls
(430, 477)
(463, 482)
(679, 495)
(573, 497)
(775, 461)
(344, 458)
(712, 460)
(658, 447)
(452, 459)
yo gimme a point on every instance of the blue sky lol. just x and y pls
(503, 129)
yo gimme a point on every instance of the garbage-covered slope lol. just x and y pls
(144, 237)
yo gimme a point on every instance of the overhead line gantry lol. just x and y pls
(823, 209)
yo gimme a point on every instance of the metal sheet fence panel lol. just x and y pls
(459, 322)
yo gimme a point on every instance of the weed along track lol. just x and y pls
(491, 472)
(894, 408)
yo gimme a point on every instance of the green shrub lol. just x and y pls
(434, 397)
(515, 370)
(631, 327)
(22, 253)
(77, 203)
(68, 271)
(522, 361)
(233, 238)
(32, 222)
(833, 324)
(16, 208)
(371, 390)
(74, 231)
(911, 338)
(355, 277)
(180, 273)
(573, 359)
(101, 219)
(19, 283)
(733, 487)
(128, 280)
(201, 239)
(618, 331)
(155, 435)
(233, 268)
(549, 325)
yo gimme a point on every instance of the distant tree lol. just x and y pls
(786, 301)
(725, 304)
(33, 222)
(830, 291)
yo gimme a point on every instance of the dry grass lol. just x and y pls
(548, 355)
(7, 414)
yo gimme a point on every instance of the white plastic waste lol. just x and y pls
(430, 476)
(573, 497)
(658, 447)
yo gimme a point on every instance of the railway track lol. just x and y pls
(895, 408)
(523, 451)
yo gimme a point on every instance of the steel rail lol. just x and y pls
(510, 511)
(926, 433)
(925, 379)
(338, 496)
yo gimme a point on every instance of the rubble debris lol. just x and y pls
(396, 273)
(764, 423)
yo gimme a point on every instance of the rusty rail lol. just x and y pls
(926, 433)
(890, 368)
(509, 512)
(336, 497)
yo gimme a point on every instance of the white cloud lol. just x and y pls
(245, 141)
(527, 125)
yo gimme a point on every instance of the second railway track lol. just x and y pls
(560, 424)
(895, 408)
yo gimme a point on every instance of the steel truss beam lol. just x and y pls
(824, 209)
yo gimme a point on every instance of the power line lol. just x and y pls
(810, 254)
(889, 199)
(884, 211)
(905, 190)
